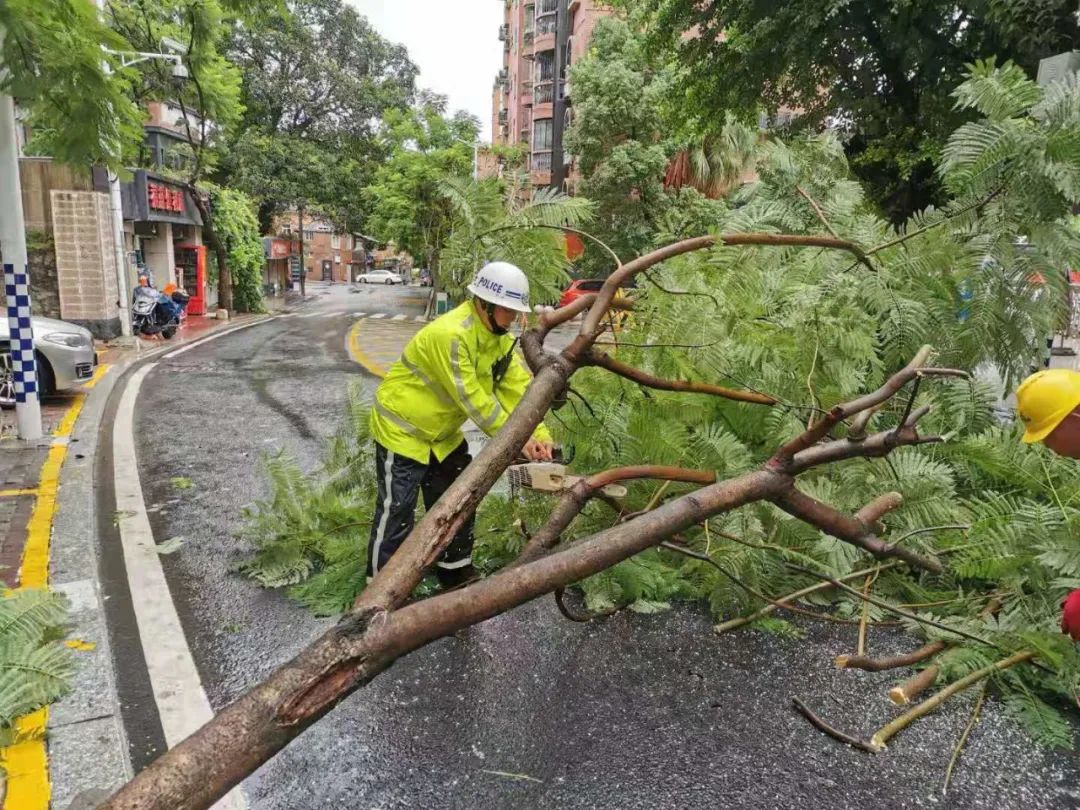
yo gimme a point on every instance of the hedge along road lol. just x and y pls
(525, 710)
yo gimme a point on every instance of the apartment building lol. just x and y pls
(329, 254)
(531, 101)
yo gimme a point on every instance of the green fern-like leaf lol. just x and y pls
(1046, 725)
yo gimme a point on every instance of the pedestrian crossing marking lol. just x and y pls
(379, 315)
(359, 314)
(420, 319)
(399, 317)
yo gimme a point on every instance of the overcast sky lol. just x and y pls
(455, 43)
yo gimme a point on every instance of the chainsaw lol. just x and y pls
(551, 477)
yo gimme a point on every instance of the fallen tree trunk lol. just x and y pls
(377, 631)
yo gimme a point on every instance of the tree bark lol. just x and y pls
(894, 662)
(225, 297)
(303, 265)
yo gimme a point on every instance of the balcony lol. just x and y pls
(545, 32)
(541, 168)
(544, 93)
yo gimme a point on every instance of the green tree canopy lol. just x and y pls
(54, 63)
(317, 78)
(621, 139)
(881, 71)
(425, 147)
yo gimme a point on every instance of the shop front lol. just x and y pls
(280, 255)
(163, 235)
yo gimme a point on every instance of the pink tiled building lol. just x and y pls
(530, 91)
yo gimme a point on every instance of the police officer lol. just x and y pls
(461, 366)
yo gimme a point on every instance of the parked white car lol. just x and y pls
(65, 358)
(379, 277)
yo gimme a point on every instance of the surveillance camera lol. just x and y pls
(170, 44)
(180, 71)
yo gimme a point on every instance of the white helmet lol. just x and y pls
(502, 284)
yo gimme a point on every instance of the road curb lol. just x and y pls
(381, 344)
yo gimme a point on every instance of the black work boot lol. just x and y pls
(453, 578)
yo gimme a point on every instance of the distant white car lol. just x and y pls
(379, 277)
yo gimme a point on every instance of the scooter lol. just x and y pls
(154, 313)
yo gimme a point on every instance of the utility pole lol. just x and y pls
(17, 278)
(558, 124)
(116, 210)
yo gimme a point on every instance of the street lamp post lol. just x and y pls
(116, 206)
(475, 156)
(23, 365)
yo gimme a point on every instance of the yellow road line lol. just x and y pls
(27, 762)
(12, 493)
(358, 355)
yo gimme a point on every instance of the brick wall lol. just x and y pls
(82, 232)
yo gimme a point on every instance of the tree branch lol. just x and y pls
(783, 457)
(785, 601)
(889, 730)
(847, 528)
(831, 731)
(818, 211)
(605, 361)
(869, 664)
(893, 608)
(642, 263)
(573, 500)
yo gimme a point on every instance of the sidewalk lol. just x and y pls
(48, 539)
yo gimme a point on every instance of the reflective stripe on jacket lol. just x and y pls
(443, 378)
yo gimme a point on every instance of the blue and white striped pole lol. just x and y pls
(17, 281)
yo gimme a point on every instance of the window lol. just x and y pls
(545, 66)
(542, 131)
(337, 258)
(286, 229)
(309, 234)
(335, 242)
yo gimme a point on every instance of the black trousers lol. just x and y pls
(400, 481)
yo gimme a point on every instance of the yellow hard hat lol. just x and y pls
(1044, 399)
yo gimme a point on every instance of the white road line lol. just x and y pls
(333, 315)
(420, 319)
(215, 336)
(358, 314)
(312, 315)
(181, 702)
(379, 315)
(399, 317)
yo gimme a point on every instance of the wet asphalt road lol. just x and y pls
(525, 710)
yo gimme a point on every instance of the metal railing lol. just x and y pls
(546, 24)
(541, 161)
(543, 93)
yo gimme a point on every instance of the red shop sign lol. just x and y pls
(163, 198)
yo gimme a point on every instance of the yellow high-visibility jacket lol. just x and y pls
(444, 377)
